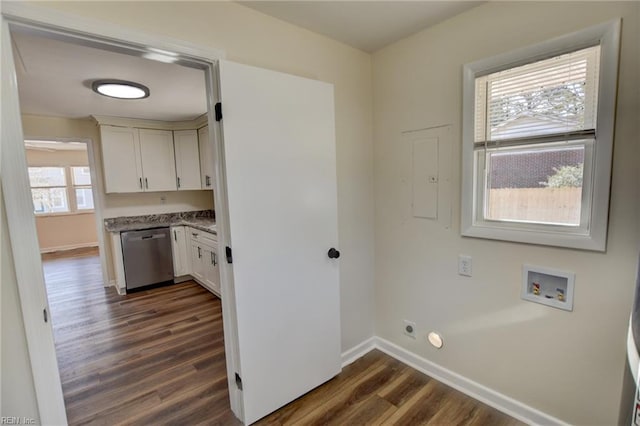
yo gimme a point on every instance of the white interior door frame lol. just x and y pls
(106, 36)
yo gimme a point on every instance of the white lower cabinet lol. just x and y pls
(204, 259)
(181, 260)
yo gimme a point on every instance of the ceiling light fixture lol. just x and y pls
(120, 89)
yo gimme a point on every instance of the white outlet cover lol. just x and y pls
(465, 265)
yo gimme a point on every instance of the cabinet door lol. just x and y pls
(158, 160)
(121, 159)
(197, 265)
(207, 158)
(211, 270)
(181, 263)
(185, 143)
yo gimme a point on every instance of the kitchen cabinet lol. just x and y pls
(158, 160)
(204, 259)
(187, 151)
(121, 159)
(137, 160)
(181, 260)
(207, 158)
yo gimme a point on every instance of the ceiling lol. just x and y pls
(54, 76)
(41, 145)
(365, 25)
(54, 79)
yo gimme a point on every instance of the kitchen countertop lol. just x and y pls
(203, 220)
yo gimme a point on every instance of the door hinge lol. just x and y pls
(238, 381)
(229, 254)
(45, 315)
(218, 111)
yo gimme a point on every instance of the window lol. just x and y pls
(82, 186)
(48, 189)
(52, 194)
(537, 141)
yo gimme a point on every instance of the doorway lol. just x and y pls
(152, 335)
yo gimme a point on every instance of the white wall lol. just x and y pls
(568, 364)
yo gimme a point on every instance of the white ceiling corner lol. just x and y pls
(365, 25)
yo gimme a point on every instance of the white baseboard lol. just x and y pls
(358, 351)
(467, 386)
(67, 247)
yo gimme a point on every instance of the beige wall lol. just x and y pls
(567, 364)
(58, 232)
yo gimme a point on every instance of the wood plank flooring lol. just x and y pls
(157, 357)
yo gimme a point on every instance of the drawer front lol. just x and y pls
(203, 237)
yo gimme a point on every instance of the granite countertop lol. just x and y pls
(203, 220)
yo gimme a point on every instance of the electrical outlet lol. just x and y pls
(464, 265)
(410, 329)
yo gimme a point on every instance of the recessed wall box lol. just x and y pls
(548, 286)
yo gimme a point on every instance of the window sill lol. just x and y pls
(539, 237)
(76, 213)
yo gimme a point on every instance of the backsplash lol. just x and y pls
(117, 223)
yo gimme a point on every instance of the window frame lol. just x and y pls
(590, 236)
(69, 189)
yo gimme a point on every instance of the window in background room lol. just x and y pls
(82, 185)
(61, 189)
(538, 136)
(49, 189)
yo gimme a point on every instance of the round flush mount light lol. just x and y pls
(120, 89)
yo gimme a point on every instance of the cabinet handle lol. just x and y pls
(199, 253)
(195, 234)
(213, 259)
(175, 236)
(208, 180)
(140, 183)
(146, 182)
(178, 182)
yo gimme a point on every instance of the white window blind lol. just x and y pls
(554, 96)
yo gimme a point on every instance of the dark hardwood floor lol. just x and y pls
(157, 357)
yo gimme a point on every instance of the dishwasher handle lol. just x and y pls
(146, 237)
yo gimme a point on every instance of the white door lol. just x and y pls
(121, 159)
(158, 160)
(279, 147)
(187, 159)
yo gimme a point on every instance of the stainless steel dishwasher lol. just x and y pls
(147, 257)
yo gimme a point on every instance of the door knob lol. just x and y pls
(333, 253)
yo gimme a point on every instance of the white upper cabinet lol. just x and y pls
(187, 159)
(207, 158)
(121, 159)
(137, 160)
(158, 160)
